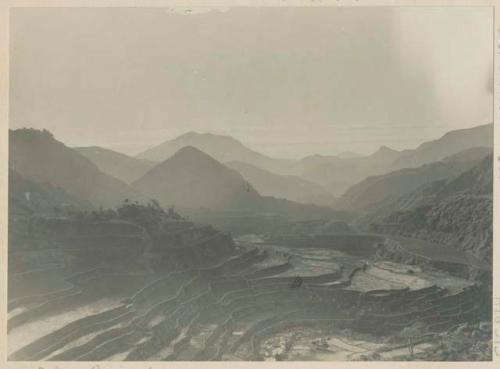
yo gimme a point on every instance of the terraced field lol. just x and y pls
(259, 303)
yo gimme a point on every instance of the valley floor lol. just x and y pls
(263, 302)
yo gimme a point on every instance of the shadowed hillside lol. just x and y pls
(283, 186)
(38, 156)
(192, 179)
(28, 197)
(121, 166)
(376, 191)
(449, 144)
(469, 156)
(337, 174)
(456, 211)
(196, 182)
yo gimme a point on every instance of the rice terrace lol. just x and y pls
(250, 184)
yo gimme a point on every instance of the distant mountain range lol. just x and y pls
(469, 156)
(56, 175)
(119, 165)
(190, 172)
(476, 182)
(267, 183)
(283, 186)
(192, 180)
(449, 144)
(444, 195)
(375, 191)
(38, 156)
(221, 148)
(336, 173)
(348, 155)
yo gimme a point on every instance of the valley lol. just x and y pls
(210, 268)
(257, 297)
(269, 183)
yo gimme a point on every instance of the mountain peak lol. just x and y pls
(449, 144)
(40, 157)
(481, 128)
(192, 179)
(190, 152)
(220, 147)
(384, 150)
(119, 165)
(193, 135)
(31, 134)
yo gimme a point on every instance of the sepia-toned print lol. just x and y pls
(250, 184)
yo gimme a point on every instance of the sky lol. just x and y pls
(288, 82)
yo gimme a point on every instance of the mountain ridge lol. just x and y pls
(221, 147)
(38, 156)
(457, 211)
(374, 191)
(195, 181)
(290, 187)
(119, 165)
(448, 144)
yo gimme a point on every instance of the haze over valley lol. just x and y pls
(250, 184)
(191, 211)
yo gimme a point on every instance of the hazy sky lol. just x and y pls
(285, 81)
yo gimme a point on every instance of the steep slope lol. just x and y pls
(121, 166)
(449, 144)
(30, 201)
(338, 174)
(456, 211)
(476, 182)
(38, 156)
(283, 186)
(221, 148)
(28, 197)
(470, 156)
(376, 191)
(194, 180)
